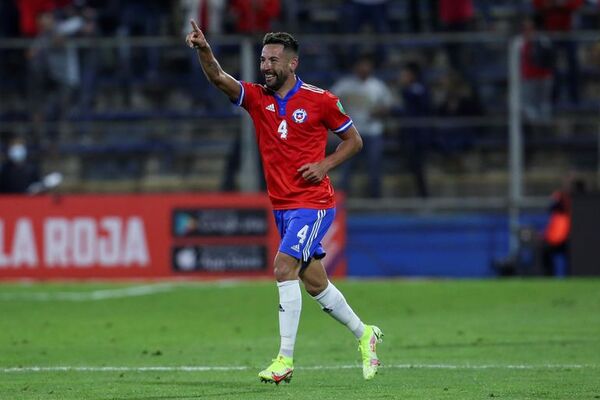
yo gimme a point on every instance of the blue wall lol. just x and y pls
(434, 246)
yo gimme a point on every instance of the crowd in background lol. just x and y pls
(71, 72)
(156, 17)
(62, 79)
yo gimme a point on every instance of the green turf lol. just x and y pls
(512, 339)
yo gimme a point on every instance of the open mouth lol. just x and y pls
(270, 78)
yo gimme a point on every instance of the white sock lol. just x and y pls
(290, 305)
(334, 303)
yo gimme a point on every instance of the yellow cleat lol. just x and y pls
(281, 369)
(367, 345)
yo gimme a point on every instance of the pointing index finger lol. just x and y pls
(194, 26)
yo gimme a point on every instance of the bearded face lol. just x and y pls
(276, 65)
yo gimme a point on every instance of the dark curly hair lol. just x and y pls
(284, 38)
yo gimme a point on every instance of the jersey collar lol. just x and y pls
(281, 103)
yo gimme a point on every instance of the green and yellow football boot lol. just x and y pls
(281, 369)
(367, 345)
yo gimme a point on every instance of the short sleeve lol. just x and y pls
(334, 115)
(248, 95)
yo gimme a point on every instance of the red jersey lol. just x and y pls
(292, 132)
(455, 11)
(557, 16)
(529, 70)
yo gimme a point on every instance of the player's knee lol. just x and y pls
(281, 272)
(315, 289)
(285, 268)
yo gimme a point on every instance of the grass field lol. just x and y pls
(514, 339)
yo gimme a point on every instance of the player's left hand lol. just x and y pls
(313, 172)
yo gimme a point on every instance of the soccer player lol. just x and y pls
(291, 120)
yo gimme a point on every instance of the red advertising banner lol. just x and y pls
(145, 236)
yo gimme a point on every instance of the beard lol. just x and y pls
(277, 81)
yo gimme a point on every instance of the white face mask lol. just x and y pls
(17, 153)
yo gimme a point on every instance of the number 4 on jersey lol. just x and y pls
(282, 130)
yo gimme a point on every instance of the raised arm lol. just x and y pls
(213, 71)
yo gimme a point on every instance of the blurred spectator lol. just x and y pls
(555, 238)
(54, 67)
(415, 100)
(254, 16)
(371, 13)
(456, 16)
(140, 18)
(87, 56)
(367, 100)
(537, 60)
(30, 10)
(558, 16)
(106, 13)
(208, 14)
(458, 99)
(364, 16)
(416, 15)
(17, 173)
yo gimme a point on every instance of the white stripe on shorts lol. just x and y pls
(313, 233)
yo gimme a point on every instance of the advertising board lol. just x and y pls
(144, 236)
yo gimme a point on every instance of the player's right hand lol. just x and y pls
(195, 39)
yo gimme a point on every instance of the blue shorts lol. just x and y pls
(302, 230)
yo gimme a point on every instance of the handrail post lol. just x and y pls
(515, 167)
(248, 178)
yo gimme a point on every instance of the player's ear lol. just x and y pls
(293, 63)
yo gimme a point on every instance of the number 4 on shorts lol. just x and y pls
(302, 234)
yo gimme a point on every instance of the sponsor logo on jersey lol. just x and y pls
(270, 107)
(296, 247)
(341, 108)
(299, 115)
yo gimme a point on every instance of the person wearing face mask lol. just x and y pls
(17, 172)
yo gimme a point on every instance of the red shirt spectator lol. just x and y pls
(255, 15)
(557, 15)
(29, 11)
(529, 69)
(559, 223)
(456, 11)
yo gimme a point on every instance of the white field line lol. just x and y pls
(200, 368)
(106, 294)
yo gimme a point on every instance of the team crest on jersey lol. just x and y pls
(299, 115)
